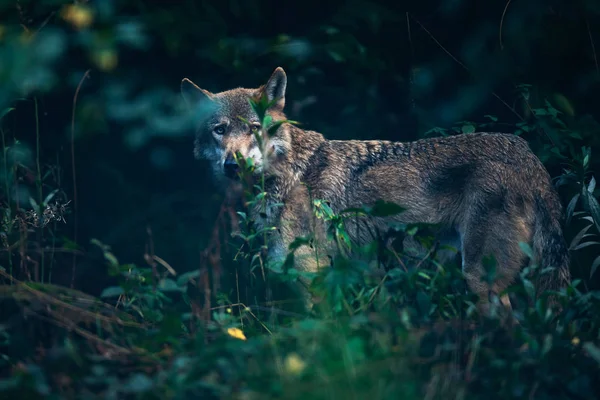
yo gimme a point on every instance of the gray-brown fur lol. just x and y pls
(488, 189)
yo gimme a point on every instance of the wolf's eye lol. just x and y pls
(219, 130)
(254, 128)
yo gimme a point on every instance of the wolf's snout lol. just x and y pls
(230, 167)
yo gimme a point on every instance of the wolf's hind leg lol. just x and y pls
(492, 233)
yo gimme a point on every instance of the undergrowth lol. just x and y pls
(393, 324)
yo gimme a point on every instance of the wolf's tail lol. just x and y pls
(549, 246)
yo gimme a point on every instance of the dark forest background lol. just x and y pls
(96, 138)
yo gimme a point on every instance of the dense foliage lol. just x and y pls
(119, 275)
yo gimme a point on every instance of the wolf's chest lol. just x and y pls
(265, 214)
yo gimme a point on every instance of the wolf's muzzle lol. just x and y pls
(230, 167)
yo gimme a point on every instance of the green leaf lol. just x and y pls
(168, 285)
(424, 275)
(244, 120)
(468, 128)
(436, 130)
(50, 196)
(336, 56)
(593, 207)
(577, 238)
(267, 121)
(585, 244)
(112, 260)
(586, 160)
(592, 350)
(412, 231)
(592, 185)
(547, 344)
(185, 278)
(571, 207)
(322, 209)
(529, 288)
(384, 209)
(4, 112)
(261, 106)
(138, 383)
(112, 291)
(273, 128)
(69, 244)
(576, 135)
(355, 211)
(298, 242)
(526, 249)
(594, 267)
(239, 235)
(355, 348)
(33, 204)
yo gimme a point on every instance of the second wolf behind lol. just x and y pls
(487, 190)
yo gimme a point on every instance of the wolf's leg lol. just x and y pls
(294, 293)
(306, 259)
(492, 233)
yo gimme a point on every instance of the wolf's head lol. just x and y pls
(221, 133)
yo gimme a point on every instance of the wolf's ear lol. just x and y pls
(275, 87)
(192, 94)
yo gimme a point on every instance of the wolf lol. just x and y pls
(486, 191)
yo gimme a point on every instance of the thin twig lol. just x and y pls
(412, 56)
(587, 24)
(45, 22)
(248, 310)
(38, 184)
(465, 67)
(501, 23)
(85, 76)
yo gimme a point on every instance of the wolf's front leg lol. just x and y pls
(304, 260)
(308, 257)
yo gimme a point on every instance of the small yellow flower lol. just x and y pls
(236, 333)
(78, 15)
(575, 341)
(293, 364)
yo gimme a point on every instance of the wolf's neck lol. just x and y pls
(290, 173)
(303, 146)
